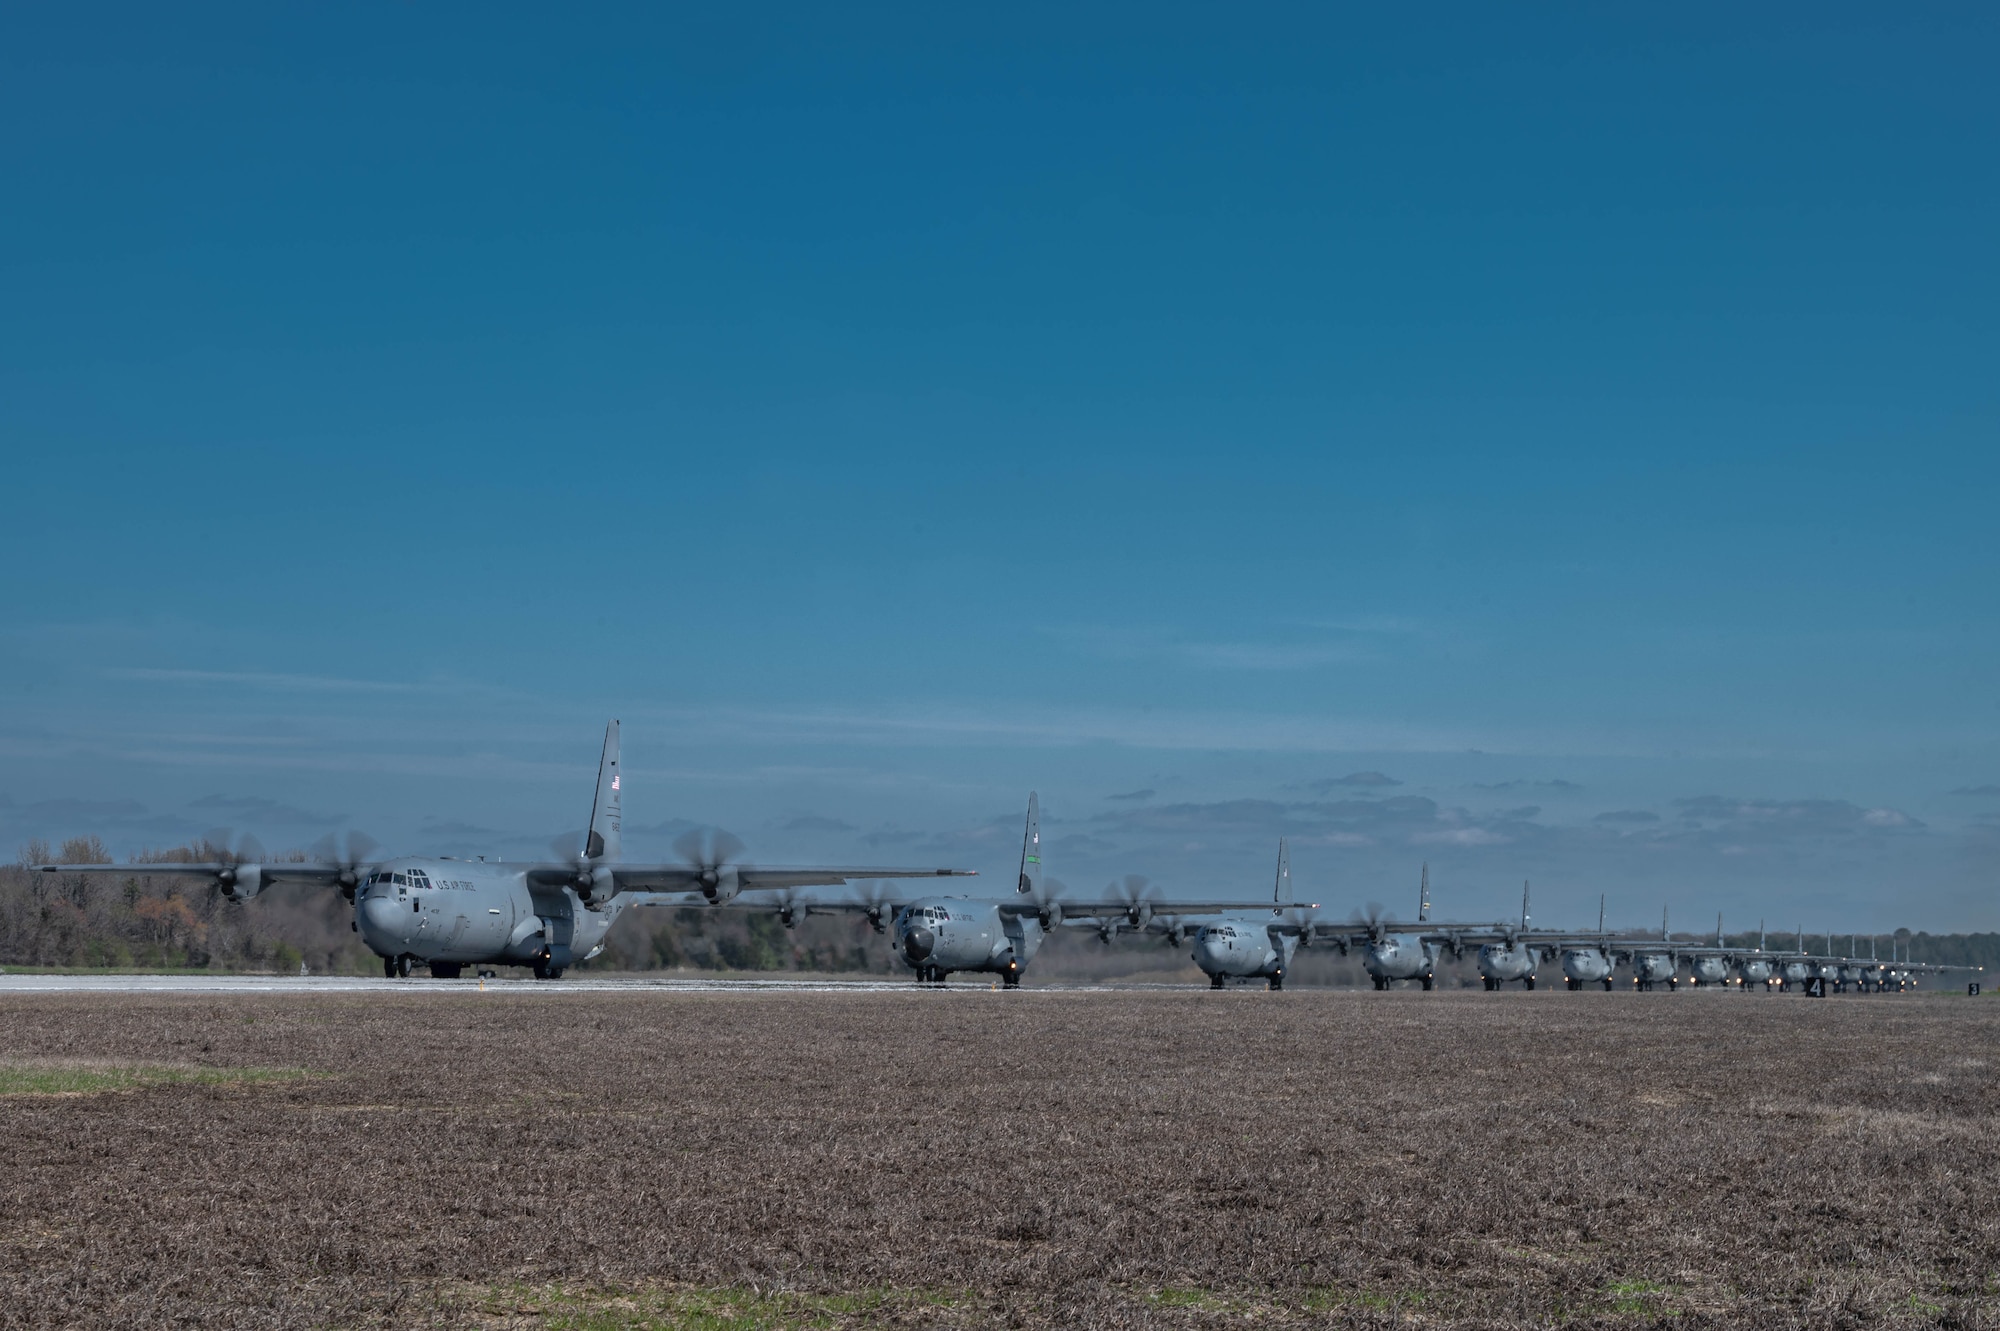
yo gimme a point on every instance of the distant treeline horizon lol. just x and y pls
(156, 921)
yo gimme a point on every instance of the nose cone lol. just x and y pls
(384, 917)
(917, 944)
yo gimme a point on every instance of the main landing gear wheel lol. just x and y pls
(402, 965)
(388, 968)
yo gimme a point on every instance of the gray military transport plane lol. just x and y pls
(451, 913)
(1253, 946)
(937, 935)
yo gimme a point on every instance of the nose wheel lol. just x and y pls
(396, 968)
(1215, 981)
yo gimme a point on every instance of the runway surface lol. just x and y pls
(358, 984)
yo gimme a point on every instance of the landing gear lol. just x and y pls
(1673, 983)
(388, 968)
(1490, 983)
(1277, 981)
(1427, 984)
(396, 968)
(544, 970)
(1380, 981)
(1215, 982)
(1571, 983)
(1011, 977)
(1528, 982)
(1607, 984)
(446, 970)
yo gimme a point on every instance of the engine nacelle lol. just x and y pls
(241, 882)
(596, 886)
(725, 887)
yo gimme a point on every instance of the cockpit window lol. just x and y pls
(399, 879)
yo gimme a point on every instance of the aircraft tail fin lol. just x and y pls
(1524, 905)
(1282, 895)
(1031, 850)
(605, 818)
(1424, 897)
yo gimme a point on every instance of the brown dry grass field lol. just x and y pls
(983, 1159)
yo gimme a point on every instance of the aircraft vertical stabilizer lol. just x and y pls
(605, 819)
(1031, 850)
(1282, 896)
(1424, 897)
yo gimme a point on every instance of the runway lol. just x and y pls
(362, 984)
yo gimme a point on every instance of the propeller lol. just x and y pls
(882, 905)
(1304, 921)
(791, 908)
(241, 876)
(709, 851)
(1138, 896)
(359, 849)
(1048, 904)
(592, 880)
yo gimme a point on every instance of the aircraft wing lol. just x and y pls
(749, 877)
(1429, 930)
(1123, 909)
(270, 873)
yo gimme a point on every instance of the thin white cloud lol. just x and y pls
(263, 679)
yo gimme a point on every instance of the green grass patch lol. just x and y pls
(1635, 1296)
(1173, 1297)
(77, 1077)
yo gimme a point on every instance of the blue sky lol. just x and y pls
(1582, 419)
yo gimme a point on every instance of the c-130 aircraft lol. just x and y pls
(936, 936)
(452, 913)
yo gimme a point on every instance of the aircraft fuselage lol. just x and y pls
(1755, 970)
(1242, 948)
(472, 912)
(1398, 957)
(939, 935)
(1651, 968)
(1502, 962)
(1586, 965)
(1710, 970)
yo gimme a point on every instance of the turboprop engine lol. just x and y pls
(240, 882)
